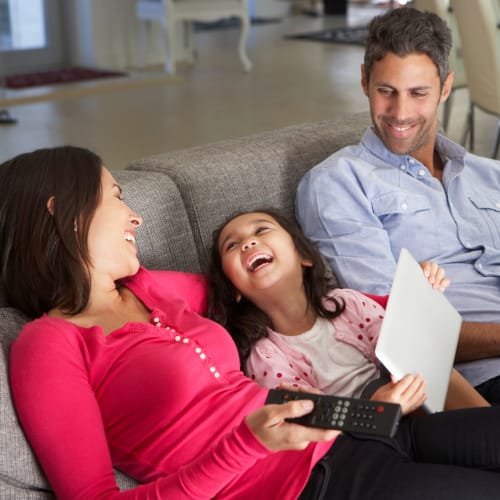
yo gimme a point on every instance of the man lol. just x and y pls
(405, 185)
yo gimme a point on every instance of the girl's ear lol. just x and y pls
(307, 263)
(238, 297)
(50, 205)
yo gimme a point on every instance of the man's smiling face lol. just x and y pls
(404, 95)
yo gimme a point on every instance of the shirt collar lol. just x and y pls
(447, 149)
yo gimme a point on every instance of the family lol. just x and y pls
(164, 375)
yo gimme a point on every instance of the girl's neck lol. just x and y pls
(289, 315)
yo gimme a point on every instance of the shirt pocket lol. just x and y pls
(404, 216)
(399, 203)
(488, 211)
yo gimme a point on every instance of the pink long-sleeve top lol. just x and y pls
(163, 402)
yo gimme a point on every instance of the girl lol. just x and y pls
(267, 277)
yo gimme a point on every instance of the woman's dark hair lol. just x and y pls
(43, 244)
(406, 31)
(245, 321)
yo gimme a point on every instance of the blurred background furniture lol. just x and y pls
(176, 18)
(479, 26)
(443, 9)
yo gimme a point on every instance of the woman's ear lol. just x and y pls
(238, 297)
(307, 263)
(50, 205)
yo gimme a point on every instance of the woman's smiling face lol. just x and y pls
(112, 231)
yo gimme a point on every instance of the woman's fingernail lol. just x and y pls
(307, 405)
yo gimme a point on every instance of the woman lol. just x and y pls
(120, 369)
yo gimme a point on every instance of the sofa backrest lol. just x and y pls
(261, 170)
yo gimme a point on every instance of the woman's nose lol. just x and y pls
(248, 245)
(136, 220)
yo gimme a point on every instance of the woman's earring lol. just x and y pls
(238, 298)
(75, 226)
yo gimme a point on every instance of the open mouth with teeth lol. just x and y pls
(257, 261)
(129, 237)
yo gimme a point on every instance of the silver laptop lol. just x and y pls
(420, 330)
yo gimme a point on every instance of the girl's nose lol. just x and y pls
(248, 245)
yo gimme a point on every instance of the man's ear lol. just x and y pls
(447, 86)
(364, 81)
(50, 205)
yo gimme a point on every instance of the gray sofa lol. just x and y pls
(182, 197)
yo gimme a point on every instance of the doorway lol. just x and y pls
(31, 36)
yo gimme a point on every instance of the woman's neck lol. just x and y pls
(108, 308)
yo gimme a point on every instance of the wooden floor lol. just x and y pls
(291, 82)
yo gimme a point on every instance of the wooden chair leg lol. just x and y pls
(496, 141)
(245, 29)
(467, 127)
(447, 111)
(171, 43)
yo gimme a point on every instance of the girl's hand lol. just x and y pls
(269, 426)
(408, 392)
(435, 275)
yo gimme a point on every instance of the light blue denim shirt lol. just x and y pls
(363, 204)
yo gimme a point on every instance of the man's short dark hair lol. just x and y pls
(405, 31)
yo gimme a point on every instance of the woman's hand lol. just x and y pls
(435, 275)
(269, 426)
(409, 393)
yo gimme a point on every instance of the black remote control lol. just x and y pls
(346, 414)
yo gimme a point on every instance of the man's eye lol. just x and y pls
(385, 92)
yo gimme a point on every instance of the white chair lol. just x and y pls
(443, 9)
(177, 16)
(479, 26)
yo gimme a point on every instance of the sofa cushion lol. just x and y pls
(17, 462)
(261, 170)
